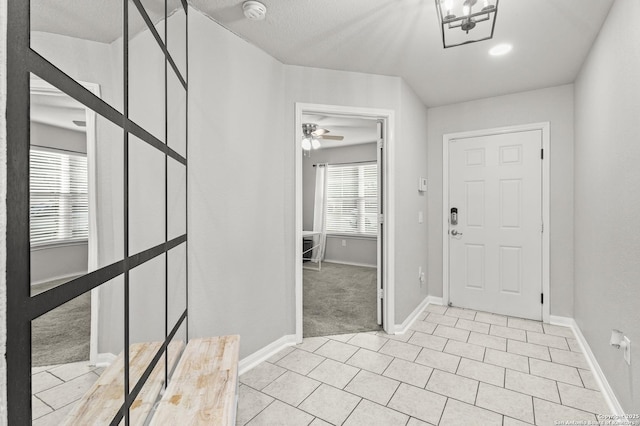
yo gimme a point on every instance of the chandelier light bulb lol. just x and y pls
(306, 144)
(315, 143)
(448, 4)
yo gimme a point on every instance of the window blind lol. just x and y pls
(352, 199)
(59, 201)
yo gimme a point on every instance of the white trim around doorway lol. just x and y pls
(388, 116)
(544, 128)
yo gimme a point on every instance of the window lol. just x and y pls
(352, 199)
(59, 201)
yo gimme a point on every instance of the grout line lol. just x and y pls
(41, 400)
(433, 369)
(354, 409)
(260, 412)
(475, 399)
(443, 408)
(505, 369)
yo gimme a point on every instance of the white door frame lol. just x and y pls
(388, 116)
(544, 128)
(92, 147)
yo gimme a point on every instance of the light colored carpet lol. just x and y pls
(339, 299)
(62, 335)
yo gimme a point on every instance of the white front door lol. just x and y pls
(495, 249)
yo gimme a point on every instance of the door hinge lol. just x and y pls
(542, 154)
(542, 298)
(381, 218)
(380, 143)
(380, 294)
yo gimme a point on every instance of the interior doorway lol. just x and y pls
(341, 199)
(495, 221)
(63, 237)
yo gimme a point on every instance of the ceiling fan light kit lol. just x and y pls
(310, 139)
(466, 21)
(312, 135)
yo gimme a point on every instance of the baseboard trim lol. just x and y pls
(340, 262)
(603, 384)
(433, 300)
(404, 327)
(261, 355)
(105, 359)
(60, 277)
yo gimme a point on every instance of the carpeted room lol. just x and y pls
(340, 209)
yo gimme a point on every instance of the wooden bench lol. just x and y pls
(204, 387)
(102, 402)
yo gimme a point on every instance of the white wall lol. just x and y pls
(242, 182)
(319, 86)
(411, 245)
(57, 262)
(358, 250)
(84, 60)
(240, 267)
(554, 105)
(44, 135)
(607, 201)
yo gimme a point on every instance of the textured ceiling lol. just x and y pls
(550, 38)
(96, 20)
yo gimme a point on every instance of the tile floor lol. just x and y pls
(454, 367)
(56, 389)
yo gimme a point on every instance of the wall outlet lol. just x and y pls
(627, 350)
(344, 243)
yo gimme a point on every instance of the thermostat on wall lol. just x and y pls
(422, 184)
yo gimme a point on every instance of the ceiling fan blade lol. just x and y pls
(332, 138)
(320, 132)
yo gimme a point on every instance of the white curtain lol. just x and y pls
(319, 213)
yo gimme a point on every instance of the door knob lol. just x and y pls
(454, 232)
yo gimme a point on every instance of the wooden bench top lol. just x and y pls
(202, 390)
(102, 402)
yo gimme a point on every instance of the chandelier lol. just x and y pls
(466, 21)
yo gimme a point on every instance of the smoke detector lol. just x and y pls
(254, 10)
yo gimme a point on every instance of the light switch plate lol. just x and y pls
(627, 350)
(422, 184)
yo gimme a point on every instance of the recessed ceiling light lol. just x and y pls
(501, 49)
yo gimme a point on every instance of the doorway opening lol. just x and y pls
(63, 239)
(341, 200)
(496, 220)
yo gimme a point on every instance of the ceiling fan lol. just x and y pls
(313, 134)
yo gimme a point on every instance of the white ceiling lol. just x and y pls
(96, 20)
(356, 131)
(550, 38)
